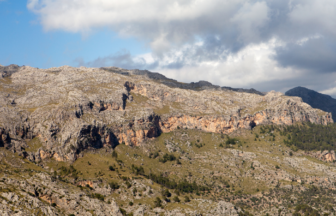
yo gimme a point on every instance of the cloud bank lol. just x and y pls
(274, 44)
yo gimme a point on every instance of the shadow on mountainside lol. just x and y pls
(315, 99)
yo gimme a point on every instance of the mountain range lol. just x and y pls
(111, 141)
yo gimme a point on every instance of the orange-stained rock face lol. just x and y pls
(57, 157)
(45, 155)
(63, 203)
(213, 124)
(329, 157)
(323, 156)
(102, 106)
(47, 198)
(85, 183)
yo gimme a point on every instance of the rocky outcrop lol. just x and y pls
(198, 86)
(6, 71)
(225, 208)
(327, 156)
(41, 193)
(71, 110)
(5, 139)
(230, 124)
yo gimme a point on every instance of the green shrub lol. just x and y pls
(138, 170)
(114, 154)
(231, 141)
(167, 157)
(182, 186)
(123, 211)
(114, 185)
(154, 155)
(128, 185)
(166, 193)
(199, 145)
(98, 196)
(157, 202)
(176, 199)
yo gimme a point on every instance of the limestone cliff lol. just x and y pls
(67, 110)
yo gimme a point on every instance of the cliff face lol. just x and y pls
(68, 110)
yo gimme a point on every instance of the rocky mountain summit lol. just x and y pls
(198, 86)
(6, 71)
(59, 127)
(315, 99)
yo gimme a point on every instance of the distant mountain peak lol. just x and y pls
(315, 99)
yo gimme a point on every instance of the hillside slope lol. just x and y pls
(73, 109)
(101, 141)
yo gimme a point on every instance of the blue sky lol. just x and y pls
(25, 42)
(261, 44)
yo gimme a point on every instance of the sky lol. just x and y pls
(262, 44)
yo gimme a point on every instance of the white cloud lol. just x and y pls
(247, 68)
(164, 24)
(330, 91)
(249, 19)
(180, 20)
(252, 66)
(304, 40)
(265, 44)
(315, 15)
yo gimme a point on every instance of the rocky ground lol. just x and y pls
(259, 177)
(88, 141)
